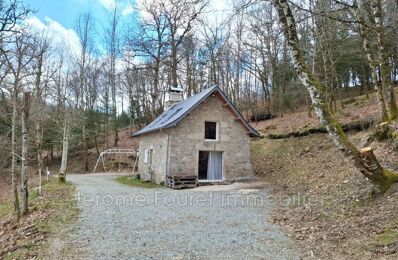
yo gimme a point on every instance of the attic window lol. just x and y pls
(210, 130)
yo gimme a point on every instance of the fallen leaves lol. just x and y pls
(47, 215)
(336, 217)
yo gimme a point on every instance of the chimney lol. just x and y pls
(174, 96)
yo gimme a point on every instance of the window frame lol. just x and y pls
(148, 154)
(217, 132)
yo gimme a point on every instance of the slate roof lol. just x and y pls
(178, 111)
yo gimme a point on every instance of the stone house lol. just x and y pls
(203, 136)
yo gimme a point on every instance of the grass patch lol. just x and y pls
(389, 235)
(388, 238)
(132, 181)
(61, 198)
(5, 208)
(50, 213)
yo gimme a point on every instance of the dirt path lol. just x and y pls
(122, 222)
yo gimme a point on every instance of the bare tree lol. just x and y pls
(112, 41)
(364, 160)
(64, 116)
(151, 45)
(385, 66)
(24, 155)
(65, 121)
(181, 16)
(11, 13)
(41, 43)
(364, 32)
(18, 59)
(85, 30)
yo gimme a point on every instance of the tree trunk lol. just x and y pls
(174, 77)
(373, 69)
(85, 144)
(65, 147)
(384, 60)
(363, 160)
(14, 156)
(238, 63)
(189, 72)
(38, 129)
(155, 90)
(113, 49)
(24, 157)
(114, 112)
(96, 144)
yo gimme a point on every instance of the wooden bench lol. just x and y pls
(181, 182)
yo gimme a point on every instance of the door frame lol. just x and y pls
(222, 168)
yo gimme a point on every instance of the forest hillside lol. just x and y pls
(325, 204)
(317, 78)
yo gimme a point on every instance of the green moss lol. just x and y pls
(321, 215)
(342, 136)
(349, 101)
(388, 238)
(383, 132)
(393, 177)
(132, 181)
(33, 195)
(383, 184)
(12, 256)
(389, 235)
(6, 208)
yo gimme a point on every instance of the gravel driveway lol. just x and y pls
(122, 222)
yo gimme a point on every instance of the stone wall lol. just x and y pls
(158, 141)
(176, 150)
(187, 139)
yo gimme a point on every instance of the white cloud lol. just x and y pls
(124, 5)
(108, 4)
(141, 6)
(60, 36)
(218, 10)
(128, 10)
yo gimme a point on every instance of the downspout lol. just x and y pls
(167, 155)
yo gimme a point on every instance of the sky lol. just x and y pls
(59, 17)
(62, 11)
(65, 12)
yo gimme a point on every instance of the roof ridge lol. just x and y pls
(189, 98)
(178, 111)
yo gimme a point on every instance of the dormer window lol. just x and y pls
(211, 130)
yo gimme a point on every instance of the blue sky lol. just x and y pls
(58, 18)
(66, 11)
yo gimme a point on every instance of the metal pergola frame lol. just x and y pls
(116, 151)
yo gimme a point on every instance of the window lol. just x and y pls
(211, 130)
(148, 156)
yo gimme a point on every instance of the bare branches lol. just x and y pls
(11, 13)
